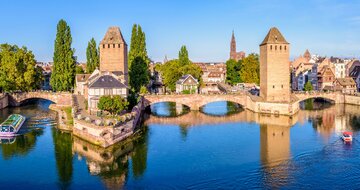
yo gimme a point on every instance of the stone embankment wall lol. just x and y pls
(106, 132)
(4, 101)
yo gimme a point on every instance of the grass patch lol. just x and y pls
(70, 119)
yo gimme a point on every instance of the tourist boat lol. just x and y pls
(11, 125)
(347, 136)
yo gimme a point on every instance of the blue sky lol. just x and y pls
(325, 27)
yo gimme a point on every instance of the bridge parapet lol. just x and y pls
(59, 98)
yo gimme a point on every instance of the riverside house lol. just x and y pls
(187, 84)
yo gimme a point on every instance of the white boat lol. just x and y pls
(11, 125)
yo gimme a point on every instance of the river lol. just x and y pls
(222, 146)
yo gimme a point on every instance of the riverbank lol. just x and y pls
(64, 117)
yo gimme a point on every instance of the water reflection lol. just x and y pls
(221, 108)
(112, 164)
(168, 109)
(20, 145)
(64, 158)
(275, 153)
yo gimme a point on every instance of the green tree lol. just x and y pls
(138, 74)
(138, 61)
(308, 86)
(79, 70)
(233, 72)
(183, 56)
(250, 69)
(18, 70)
(112, 104)
(172, 70)
(63, 74)
(92, 56)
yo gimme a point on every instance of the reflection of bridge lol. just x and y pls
(59, 98)
(253, 103)
(197, 118)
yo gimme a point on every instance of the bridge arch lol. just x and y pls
(195, 101)
(59, 98)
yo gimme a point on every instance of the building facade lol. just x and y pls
(275, 67)
(187, 83)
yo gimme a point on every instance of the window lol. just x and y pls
(285, 48)
(280, 48)
(282, 86)
(270, 47)
(108, 45)
(118, 45)
(275, 47)
(273, 86)
(103, 45)
(113, 45)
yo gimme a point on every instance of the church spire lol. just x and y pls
(232, 44)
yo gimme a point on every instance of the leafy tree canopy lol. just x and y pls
(112, 104)
(18, 70)
(64, 68)
(92, 56)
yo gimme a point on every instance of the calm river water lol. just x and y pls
(223, 146)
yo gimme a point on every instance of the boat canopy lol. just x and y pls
(347, 133)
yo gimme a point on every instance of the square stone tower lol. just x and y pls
(275, 67)
(113, 54)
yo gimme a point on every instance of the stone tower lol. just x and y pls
(233, 47)
(113, 54)
(275, 67)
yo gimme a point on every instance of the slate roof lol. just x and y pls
(113, 36)
(107, 81)
(184, 77)
(355, 72)
(274, 37)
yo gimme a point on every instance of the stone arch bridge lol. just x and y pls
(59, 98)
(253, 103)
(195, 101)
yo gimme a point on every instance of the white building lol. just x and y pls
(340, 69)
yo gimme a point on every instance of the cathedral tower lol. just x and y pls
(113, 54)
(233, 47)
(275, 67)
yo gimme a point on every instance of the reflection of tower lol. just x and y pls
(274, 150)
(275, 144)
(111, 164)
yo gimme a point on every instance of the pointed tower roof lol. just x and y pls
(113, 36)
(274, 37)
(307, 54)
(233, 36)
